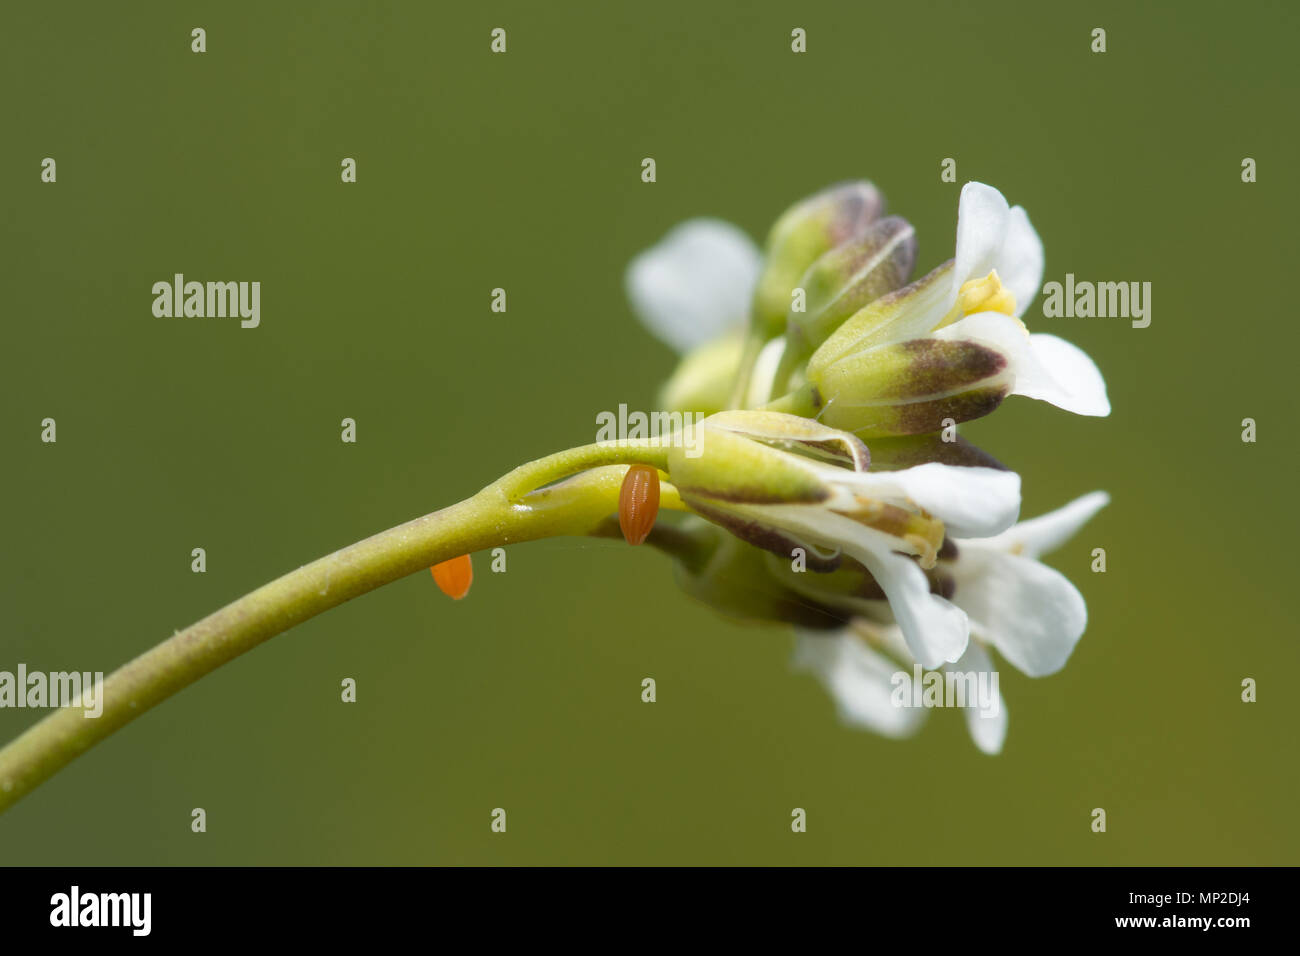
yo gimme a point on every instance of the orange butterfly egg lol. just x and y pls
(638, 502)
(455, 576)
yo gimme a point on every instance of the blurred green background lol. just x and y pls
(523, 171)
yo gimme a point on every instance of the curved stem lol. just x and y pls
(533, 475)
(506, 512)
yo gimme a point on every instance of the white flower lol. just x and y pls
(993, 236)
(978, 297)
(696, 284)
(750, 481)
(987, 721)
(861, 667)
(1031, 614)
(859, 679)
(693, 290)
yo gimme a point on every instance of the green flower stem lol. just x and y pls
(572, 460)
(804, 401)
(508, 511)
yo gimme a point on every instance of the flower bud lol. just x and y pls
(782, 482)
(910, 388)
(907, 313)
(762, 458)
(802, 234)
(848, 277)
(703, 378)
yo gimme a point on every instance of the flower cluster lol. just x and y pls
(833, 492)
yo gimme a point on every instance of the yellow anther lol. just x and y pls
(918, 534)
(986, 295)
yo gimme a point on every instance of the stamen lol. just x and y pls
(982, 295)
(919, 533)
(986, 295)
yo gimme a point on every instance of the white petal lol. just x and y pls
(1068, 378)
(1020, 260)
(987, 720)
(990, 236)
(1031, 613)
(764, 374)
(1045, 367)
(858, 680)
(696, 283)
(935, 630)
(971, 502)
(1044, 534)
(982, 219)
